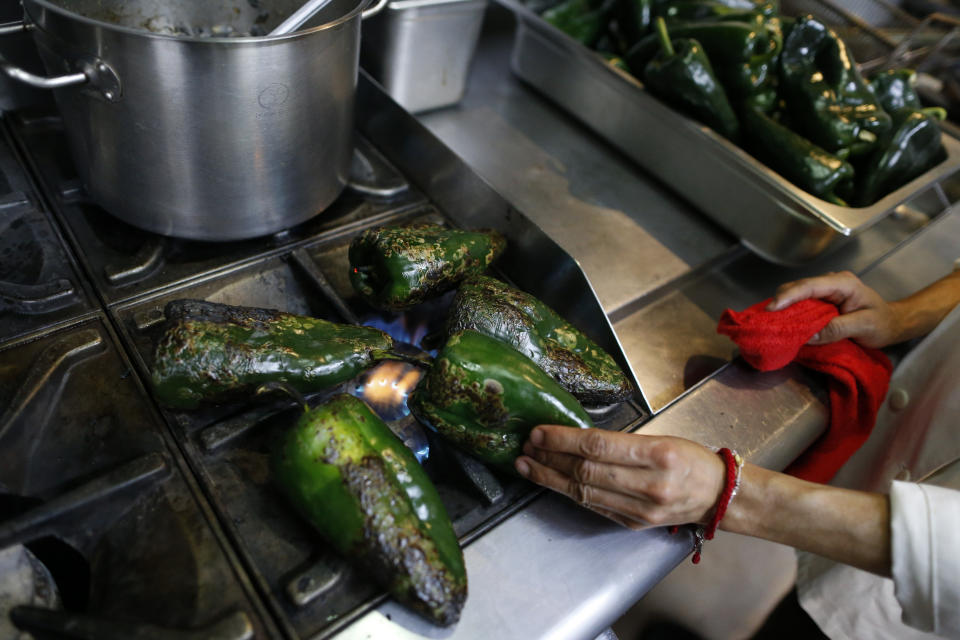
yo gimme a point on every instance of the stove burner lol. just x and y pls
(370, 173)
(235, 626)
(38, 395)
(144, 263)
(24, 580)
(29, 283)
(36, 522)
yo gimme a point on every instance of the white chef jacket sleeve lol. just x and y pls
(925, 549)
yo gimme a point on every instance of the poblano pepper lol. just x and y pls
(213, 352)
(483, 396)
(714, 11)
(635, 18)
(345, 472)
(825, 94)
(681, 75)
(894, 90)
(794, 157)
(912, 148)
(498, 310)
(398, 267)
(742, 55)
(583, 20)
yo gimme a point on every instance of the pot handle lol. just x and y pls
(38, 82)
(95, 72)
(374, 10)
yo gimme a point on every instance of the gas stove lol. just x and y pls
(164, 522)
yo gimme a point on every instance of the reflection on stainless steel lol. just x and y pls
(774, 218)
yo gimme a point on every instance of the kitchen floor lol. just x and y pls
(726, 597)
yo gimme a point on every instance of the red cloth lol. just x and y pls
(859, 376)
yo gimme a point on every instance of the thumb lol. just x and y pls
(845, 326)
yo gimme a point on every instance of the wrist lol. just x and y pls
(903, 322)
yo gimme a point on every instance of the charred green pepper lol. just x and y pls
(398, 267)
(483, 396)
(583, 20)
(894, 90)
(362, 489)
(213, 352)
(825, 94)
(794, 157)
(912, 148)
(681, 75)
(498, 310)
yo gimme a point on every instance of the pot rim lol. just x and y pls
(50, 6)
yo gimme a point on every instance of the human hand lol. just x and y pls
(864, 317)
(638, 481)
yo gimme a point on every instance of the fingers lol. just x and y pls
(602, 446)
(833, 287)
(616, 506)
(632, 481)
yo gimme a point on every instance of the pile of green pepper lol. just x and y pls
(786, 90)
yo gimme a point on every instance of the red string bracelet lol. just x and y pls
(734, 463)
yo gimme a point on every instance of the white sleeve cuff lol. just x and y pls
(925, 550)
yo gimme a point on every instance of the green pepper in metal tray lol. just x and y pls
(714, 11)
(496, 309)
(483, 396)
(363, 490)
(912, 148)
(825, 94)
(894, 90)
(583, 20)
(398, 267)
(213, 352)
(681, 75)
(634, 18)
(743, 56)
(794, 157)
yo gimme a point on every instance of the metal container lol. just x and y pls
(208, 138)
(420, 50)
(771, 216)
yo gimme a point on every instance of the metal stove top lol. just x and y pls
(168, 519)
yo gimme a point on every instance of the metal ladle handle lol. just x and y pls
(310, 8)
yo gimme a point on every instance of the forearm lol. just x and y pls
(918, 314)
(852, 527)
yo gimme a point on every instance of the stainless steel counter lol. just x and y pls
(663, 273)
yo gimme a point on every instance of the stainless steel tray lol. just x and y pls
(771, 216)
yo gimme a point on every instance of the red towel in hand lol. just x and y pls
(859, 376)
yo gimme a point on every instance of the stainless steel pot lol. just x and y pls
(208, 138)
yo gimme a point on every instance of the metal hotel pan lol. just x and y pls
(771, 216)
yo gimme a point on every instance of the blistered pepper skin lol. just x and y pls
(212, 352)
(493, 308)
(483, 396)
(826, 96)
(357, 484)
(913, 147)
(395, 268)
